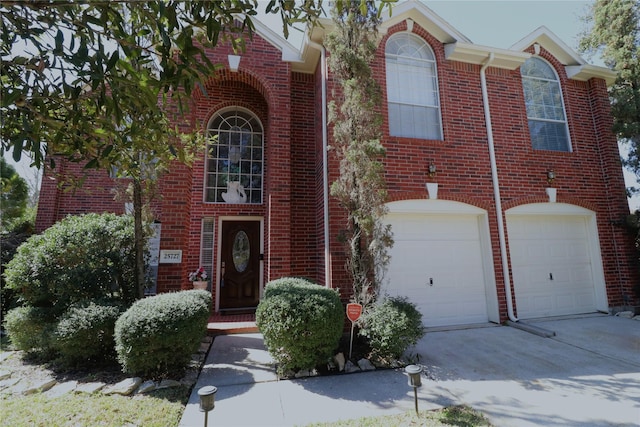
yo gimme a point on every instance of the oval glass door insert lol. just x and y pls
(241, 251)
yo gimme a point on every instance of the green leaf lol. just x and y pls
(59, 39)
(112, 60)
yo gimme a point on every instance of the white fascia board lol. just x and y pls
(289, 52)
(477, 54)
(586, 72)
(547, 39)
(426, 18)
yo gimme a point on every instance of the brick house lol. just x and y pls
(525, 187)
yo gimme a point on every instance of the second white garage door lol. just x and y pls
(551, 259)
(437, 262)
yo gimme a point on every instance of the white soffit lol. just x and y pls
(545, 38)
(587, 71)
(426, 18)
(477, 54)
(289, 53)
(576, 67)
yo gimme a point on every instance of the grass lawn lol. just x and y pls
(462, 416)
(162, 408)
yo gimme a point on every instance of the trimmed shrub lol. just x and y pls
(156, 336)
(85, 332)
(392, 327)
(9, 243)
(30, 329)
(85, 257)
(301, 322)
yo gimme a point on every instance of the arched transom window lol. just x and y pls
(235, 161)
(545, 107)
(412, 88)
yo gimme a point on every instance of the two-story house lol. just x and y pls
(505, 183)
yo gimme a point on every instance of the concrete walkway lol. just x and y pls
(587, 375)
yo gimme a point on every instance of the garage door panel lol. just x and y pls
(551, 265)
(436, 262)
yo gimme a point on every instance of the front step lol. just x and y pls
(227, 324)
(229, 328)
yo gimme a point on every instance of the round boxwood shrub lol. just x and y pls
(30, 329)
(85, 257)
(301, 322)
(84, 333)
(156, 336)
(391, 327)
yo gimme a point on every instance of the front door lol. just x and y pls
(240, 265)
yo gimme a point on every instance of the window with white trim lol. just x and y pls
(545, 106)
(412, 88)
(235, 161)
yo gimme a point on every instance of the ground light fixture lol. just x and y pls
(207, 396)
(414, 372)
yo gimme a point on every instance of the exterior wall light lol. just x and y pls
(432, 170)
(414, 372)
(207, 396)
(551, 175)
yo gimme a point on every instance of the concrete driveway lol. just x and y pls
(588, 374)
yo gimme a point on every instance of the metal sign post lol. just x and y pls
(353, 313)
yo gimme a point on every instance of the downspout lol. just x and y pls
(325, 166)
(496, 188)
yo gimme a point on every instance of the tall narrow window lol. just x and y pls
(545, 108)
(235, 161)
(412, 88)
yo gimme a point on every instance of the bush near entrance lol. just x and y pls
(301, 322)
(156, 336)
(391, 327)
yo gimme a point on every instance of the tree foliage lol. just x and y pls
(76, 75)
(14, 195)
(93, 82)
(615, 34)
(360, 187)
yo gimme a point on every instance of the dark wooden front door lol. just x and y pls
(240, 265)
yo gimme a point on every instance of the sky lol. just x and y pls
(501, 24)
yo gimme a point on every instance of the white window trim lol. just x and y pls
(437, 82)
(218, 113)
(564, 108)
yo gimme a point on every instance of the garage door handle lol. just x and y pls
(550, 276)
(430, 281)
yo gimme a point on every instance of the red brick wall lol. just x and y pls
(263, 86)
(289, 107)
(589, 176)
(60, 195)
(305, 229)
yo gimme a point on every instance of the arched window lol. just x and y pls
(545, 107)
(412, 88)
(235, 161)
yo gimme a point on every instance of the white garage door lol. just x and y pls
(436, 262)
(551, 265)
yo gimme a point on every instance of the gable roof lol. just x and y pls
(427, 19)
(575, 66)
(457, 46)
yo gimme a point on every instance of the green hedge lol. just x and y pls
(84, 334)
(301, 322)
(156, 336)
(85, 257)
(31, 329)
(391, 327)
